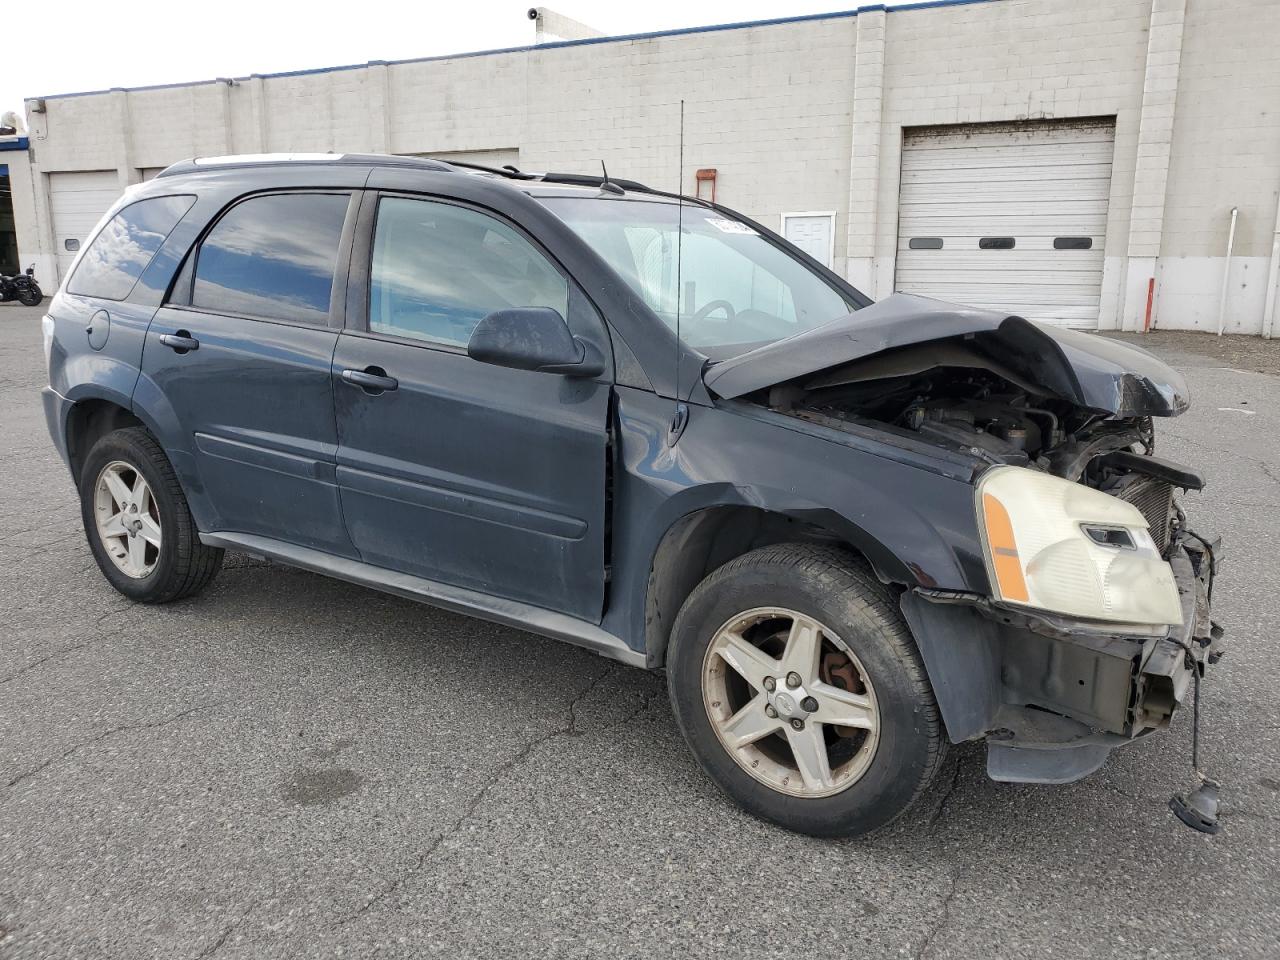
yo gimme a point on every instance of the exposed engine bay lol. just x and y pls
(950, 395)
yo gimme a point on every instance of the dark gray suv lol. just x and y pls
(850, 532)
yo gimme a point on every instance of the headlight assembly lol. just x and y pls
(1065, 548)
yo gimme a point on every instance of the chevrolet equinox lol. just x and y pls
(852, 533)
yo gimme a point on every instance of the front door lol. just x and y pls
(461, 472)
(242, 356)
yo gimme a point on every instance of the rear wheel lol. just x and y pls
(30, 296)
(799, 689)
(137, 521)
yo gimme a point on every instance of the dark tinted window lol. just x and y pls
(438, 269)
(1073, 243)
(272, 257)
(925, 243)
(121, 251)
(995, 243)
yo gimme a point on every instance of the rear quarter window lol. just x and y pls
(121, 251)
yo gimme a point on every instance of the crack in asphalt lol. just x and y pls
(940, 810)
(99, 635)
(150, 725)
(216, 945)
(568, 729)
(957, 867)
(15, 538)
(926, 945)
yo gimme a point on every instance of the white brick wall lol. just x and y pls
(806, 115)
(1226, 136)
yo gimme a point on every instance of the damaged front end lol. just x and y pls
(1096, 620)
(1052, 696)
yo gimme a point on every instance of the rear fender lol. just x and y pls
(153, 408)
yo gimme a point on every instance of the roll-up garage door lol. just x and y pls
(1010, 216)
(78, 201)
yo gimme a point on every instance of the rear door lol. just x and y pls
(241, 354)
(461, 472)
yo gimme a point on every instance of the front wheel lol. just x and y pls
(30, 296)
(797, 685)
(136, 517)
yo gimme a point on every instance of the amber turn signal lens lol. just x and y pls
(1004, 550)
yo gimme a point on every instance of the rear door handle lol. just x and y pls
(372, 380)
(180, 342)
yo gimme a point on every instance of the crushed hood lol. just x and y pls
(1107, 376)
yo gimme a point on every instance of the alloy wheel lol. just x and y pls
(128, 519)
(790, 702)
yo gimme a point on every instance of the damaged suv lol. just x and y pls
(851, 532)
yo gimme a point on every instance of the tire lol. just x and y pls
(179, 565)
(904, 744)
(30, 296)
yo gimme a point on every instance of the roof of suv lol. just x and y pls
(533, 183)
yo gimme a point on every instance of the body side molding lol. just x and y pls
(523, 616)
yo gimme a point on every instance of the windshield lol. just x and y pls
(739, 291)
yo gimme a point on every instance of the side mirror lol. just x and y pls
(533, 338)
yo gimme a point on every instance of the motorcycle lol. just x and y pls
(22, 288)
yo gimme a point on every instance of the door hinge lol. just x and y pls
(678, 423)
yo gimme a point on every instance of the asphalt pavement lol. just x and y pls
(290, 766)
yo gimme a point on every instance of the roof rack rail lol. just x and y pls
(577, 179)
(508, 171)
(279, 159)
(593, 180)
(422, 163)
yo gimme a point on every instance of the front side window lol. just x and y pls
(727, 287)
(272, 257)
(110, 268)
(439, 269)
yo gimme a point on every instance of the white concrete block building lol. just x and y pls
(1067, 160)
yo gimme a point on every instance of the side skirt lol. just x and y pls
(511, 613)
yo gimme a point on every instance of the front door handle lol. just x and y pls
(372, 380)
(180, 342)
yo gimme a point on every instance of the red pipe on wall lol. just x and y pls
(1151, 293)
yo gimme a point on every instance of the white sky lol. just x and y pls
(100, 44)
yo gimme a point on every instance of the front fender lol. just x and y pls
(915, 526)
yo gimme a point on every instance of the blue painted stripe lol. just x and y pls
(553, 45)
(17, 143)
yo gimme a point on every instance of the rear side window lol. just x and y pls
(123, 248)
(272, 258)
(438, 269)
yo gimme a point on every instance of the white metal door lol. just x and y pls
(1008, 216)
(78, 201)
(814, 233)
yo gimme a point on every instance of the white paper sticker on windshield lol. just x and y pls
(730, 226)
